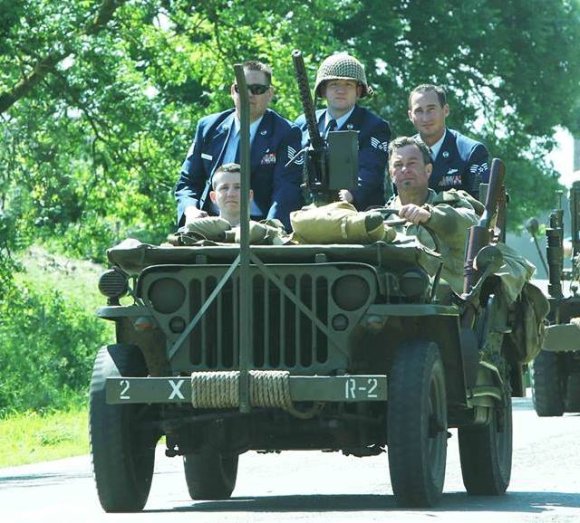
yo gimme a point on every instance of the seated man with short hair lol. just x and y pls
(225, 195)
(439, 221)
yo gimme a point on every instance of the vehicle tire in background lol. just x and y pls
(572, 402)
(417, 424)
(122, 446)
(547, 385)
(210, 475)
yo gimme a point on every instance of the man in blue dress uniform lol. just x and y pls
(458, 161)
(274, 142)
(341, 80)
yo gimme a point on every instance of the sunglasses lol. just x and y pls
(254, 88)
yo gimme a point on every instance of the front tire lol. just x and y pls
(210, 475)
(547, 385)
(417, 424)
(123, 450)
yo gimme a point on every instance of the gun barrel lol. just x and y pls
(316, 140)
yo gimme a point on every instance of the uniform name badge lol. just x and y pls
(268, 159)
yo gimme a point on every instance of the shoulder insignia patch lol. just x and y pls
(377, 144)
(479, 169)
(292, 153)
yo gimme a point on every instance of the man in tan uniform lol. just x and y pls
(439, 221)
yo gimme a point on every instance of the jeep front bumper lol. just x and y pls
(348, 388)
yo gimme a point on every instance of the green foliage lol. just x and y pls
(99, 100)
(31, 437)
(47, 347)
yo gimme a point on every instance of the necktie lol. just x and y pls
(330, 127)
(232, 148)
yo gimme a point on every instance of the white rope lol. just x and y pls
(215, 390)
(268, 388)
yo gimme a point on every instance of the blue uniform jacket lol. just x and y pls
(462, 163)
(276, 187)
(373, 141)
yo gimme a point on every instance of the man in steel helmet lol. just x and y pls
(341, 80)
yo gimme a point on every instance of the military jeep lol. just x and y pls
(358, 349)
(556, 370)
(349, 348)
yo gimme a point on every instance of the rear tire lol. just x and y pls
(210, 475)
(417, 424)
(486, 453)
(547, 385)
(123, 452)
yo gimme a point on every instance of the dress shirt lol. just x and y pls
(231, 154)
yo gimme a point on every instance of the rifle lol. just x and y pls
(480, 235)
(555, 252)
(331, 166)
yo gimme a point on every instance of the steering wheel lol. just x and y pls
(387, 216)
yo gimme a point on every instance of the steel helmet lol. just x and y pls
(342, 66)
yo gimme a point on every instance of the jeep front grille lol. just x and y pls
(283, 336)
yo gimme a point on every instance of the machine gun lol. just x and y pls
(556, 248)
(330, 164)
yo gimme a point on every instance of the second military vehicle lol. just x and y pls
(556, 370)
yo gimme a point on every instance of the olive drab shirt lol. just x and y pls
(446, 231)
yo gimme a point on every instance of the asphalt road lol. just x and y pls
(313, 486)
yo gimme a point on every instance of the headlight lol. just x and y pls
(350, 292)
(166, 295)
(113, 284)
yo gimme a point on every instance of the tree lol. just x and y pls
(512, 70)
(99, 99)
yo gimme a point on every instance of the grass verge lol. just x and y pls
(31, 437)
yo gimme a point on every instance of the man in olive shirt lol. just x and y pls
(439, 221)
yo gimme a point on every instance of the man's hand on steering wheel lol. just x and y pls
(415, 214)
